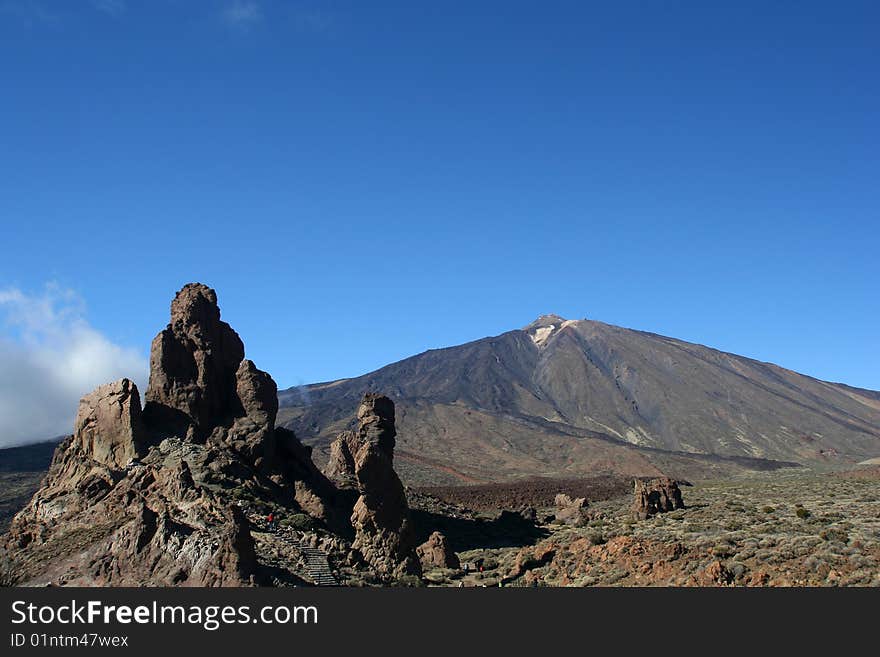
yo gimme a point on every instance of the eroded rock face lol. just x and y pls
(383, 531)
(193, 364)
(340, 467)
(571, 511)
(253, 431)
(108, 426)
(376, 423)
(149, 498)
(436, 553)
(654, 496)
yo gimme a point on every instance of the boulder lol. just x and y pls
(654, 496)
(436, 553)
(570, 511)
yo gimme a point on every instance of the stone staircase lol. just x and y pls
(317, 565)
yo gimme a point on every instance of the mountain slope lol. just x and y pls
(564, 397)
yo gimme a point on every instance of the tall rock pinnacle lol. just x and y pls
(381, 518)
(193, 365)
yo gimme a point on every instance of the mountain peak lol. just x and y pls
(546, 325)
(545, 321)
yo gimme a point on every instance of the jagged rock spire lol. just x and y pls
(193, 365)
(381, 519)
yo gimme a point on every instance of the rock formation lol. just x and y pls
(193, 365)
(340, 466)
(436, 553)
(654, 496)
(383, 531)
(108, 425)
(147, 498)
(161, 495)
(570, 511)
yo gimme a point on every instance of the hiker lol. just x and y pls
(270, 521)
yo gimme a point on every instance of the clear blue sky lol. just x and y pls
(364, 181)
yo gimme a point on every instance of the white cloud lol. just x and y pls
(50, 356)
(242, 13)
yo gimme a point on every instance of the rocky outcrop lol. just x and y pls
(570, 511)
(654, 496)
(156, 497)
(340, 466)
(108, 427)
(193, 365)
(253, 431)
(149, 498)
(381, 520)
(436, 553)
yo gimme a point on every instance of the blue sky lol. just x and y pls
(364, 181)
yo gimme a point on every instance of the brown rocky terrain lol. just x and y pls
(168, 494)
(21, 471)
(793, 529)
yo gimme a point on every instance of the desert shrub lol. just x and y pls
(723, 551)
(802, 513)
(299, 521)
(832, 534)
(596, 538)
(410, 581)
(768, 509)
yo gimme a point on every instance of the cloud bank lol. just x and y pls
(50, 356)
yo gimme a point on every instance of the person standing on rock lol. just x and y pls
(270, 521)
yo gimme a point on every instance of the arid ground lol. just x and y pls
(782, 529)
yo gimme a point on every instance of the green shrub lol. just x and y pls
(768, 509)
(802, 513)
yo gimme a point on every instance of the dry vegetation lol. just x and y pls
(793, 529)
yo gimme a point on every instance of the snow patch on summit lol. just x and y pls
(542, 334)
